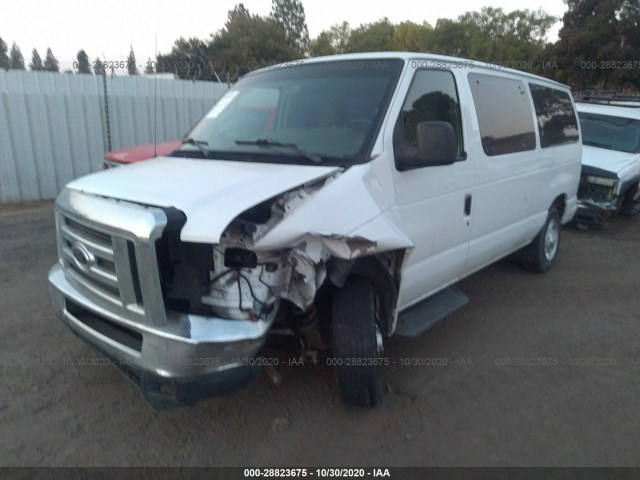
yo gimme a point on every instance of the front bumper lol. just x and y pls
(189, 358)
(595, 213)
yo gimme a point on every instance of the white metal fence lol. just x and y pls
(55, 127)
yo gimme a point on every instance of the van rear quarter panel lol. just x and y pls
(513, 192)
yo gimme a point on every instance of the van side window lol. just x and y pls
(504, 114)
(557, 121)
(432, 96)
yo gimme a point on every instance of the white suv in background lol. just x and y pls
(610, 162)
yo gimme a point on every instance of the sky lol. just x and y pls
(107, 29)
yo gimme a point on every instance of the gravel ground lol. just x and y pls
(536, 370)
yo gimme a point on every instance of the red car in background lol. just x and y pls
(259, 118)
(125, 156)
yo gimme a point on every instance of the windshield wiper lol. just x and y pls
(265, 142)
(197, 143)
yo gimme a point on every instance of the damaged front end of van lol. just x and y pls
(183, 307)
(180, 268)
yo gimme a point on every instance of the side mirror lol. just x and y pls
(436, 146)
(436, 143)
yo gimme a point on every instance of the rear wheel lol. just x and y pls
(357, 343)
(540, 254)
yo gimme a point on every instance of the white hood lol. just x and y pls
(211, 193)
(610, 160)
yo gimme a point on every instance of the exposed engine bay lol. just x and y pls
(231, 280)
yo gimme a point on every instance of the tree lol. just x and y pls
(98, 67)
(148, 69)
(411, 37)
(290, 16)
(82, 64)
(50, 62)
(340, 36)
(629, 27)
(234, 53)
(187, 59)
(132, 68)
(598, 31)
(36, 61)
(4, 58)
(245, 43)
(239, 11)
(515, 39)
(372, 37)
(16, 60)
(334, 41)
(321, 45)
(629, 22)
(450, 37)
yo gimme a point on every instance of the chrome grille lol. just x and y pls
(99, 274)
(107, 249)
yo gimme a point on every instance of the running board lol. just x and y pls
(421, 317)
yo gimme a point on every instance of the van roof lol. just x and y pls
(477, 64)
(613, 110)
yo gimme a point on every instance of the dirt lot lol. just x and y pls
(540, 370)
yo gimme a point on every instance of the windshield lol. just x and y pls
(325, 112)
(613, 133)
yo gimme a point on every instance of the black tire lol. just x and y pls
(540, 255)
(628, 207)
(355, 347)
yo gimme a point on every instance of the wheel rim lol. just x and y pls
(551, 238)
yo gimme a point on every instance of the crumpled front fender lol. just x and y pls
(350, 216)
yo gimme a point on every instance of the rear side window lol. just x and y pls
(504, 114)
(556, 119)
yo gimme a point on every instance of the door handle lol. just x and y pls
(467, 205)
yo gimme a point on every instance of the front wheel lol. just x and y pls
(541, 253)
(629, 206)
(357, 343)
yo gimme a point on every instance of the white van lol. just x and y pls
(333, 200)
